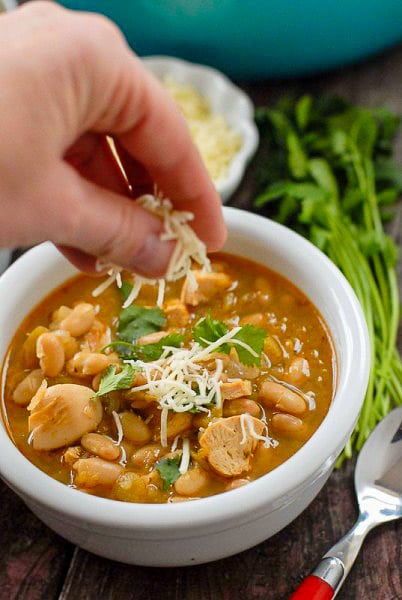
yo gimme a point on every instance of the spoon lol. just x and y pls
(378, 485)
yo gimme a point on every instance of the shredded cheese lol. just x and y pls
(180, 383)
(246, 422)
(216, 141)
(175, 443)
(308, 397)
(105, 284)
(164, 417)
(123, 456)
(119, 427)
(185, 457)
(188, 248)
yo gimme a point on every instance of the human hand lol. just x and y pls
(66, 80)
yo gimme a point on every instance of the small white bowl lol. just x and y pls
(210, 528)
(225, 99)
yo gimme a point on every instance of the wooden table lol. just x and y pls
(35, 563)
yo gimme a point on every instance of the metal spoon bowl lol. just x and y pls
(378, 485)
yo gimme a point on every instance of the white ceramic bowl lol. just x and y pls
(214, 527)
(226, 99)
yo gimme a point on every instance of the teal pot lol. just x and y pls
(249, 39)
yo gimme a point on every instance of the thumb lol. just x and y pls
(86, 219)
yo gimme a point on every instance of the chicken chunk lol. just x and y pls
(72, 454)
(209, 286)
(177, 314)
(229, 444)
(62, 414)
(236, 389)
(152, 338)
(97, 337)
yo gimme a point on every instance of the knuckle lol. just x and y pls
(127, 236)
(41, 8)
(104, 27)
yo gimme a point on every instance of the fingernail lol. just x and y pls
(153, 258)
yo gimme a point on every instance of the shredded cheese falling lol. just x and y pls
(188, 248)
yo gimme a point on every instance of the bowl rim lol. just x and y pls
(245, 124)
(245, 503)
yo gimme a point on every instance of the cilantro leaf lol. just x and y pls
(253, 337)
(154, 351)
(125, 350)
(136, 321)
(146, 352)
(209, 330)
(169, 470)
(112, 381)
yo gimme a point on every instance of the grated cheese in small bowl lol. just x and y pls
(217, 143)
(219, 114)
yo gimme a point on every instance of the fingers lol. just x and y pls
(89, 85)
(93, 158)
(83, 261)
(159, 138)
(139, 179)
(108, 164)
(93, 221)
(124, 100)
(157, 145)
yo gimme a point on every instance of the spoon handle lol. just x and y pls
(323, 581)
(327, 578)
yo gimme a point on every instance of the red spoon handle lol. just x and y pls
(313, 588)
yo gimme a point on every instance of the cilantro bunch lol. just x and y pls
(329, 174)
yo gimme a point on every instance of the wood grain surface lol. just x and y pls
(36, 564)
